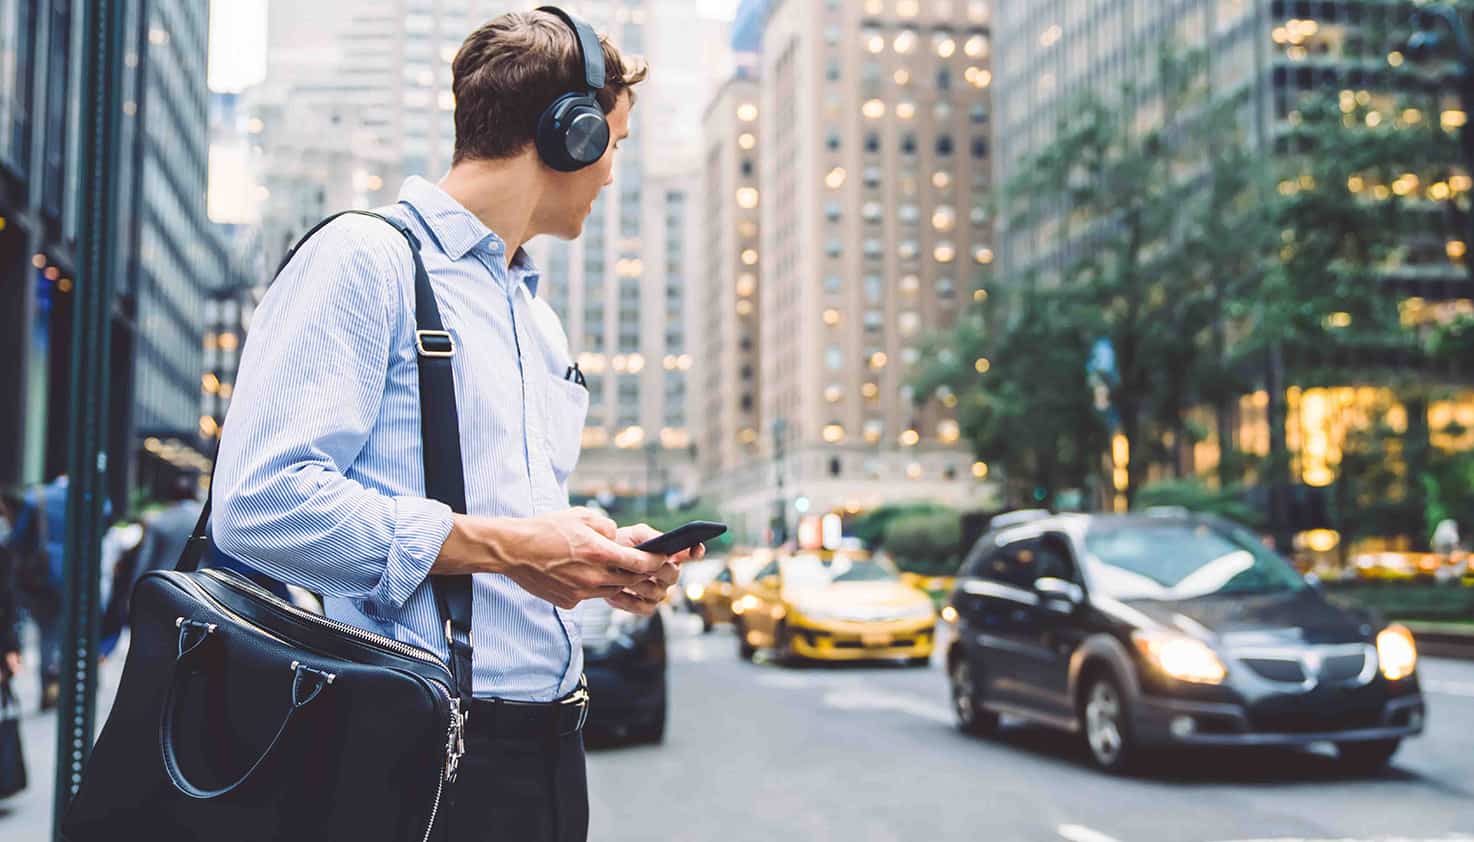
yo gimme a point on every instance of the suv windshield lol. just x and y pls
(1136, 560)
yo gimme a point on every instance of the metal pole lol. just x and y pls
(780, 516)
(102, 66)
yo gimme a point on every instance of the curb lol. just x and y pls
(1443, 642)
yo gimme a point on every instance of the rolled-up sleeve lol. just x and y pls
(307, 396)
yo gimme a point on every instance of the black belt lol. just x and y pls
(505, 719)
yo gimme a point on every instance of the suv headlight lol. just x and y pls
(1181, 657)
(1397, 654)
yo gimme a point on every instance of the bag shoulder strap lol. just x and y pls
(43, 548)
(441, 449)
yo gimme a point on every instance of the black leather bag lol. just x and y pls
(12, 759)
(242, 717)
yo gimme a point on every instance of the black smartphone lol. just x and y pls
(683, 537)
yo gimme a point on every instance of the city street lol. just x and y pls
(762, 751)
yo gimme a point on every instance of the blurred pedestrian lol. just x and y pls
(39, 546)
(9, 609)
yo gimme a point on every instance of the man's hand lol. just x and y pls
(564, 557)
(12, 664)
(665, 577)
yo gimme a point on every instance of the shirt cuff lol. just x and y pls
(421, 526)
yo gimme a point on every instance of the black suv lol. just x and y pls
(1143, 631)
(624, 660)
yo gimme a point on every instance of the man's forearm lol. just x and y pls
(478, 545)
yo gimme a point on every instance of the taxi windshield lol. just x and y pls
(1183, 561)
(809, 571)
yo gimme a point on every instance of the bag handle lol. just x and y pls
(307, 683)
(441, 451)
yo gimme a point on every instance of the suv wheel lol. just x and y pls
(1106, 726)
(972, 717)
(1367, 758)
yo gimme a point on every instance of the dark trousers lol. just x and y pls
(520, 790)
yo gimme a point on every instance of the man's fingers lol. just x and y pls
(598, 522)
(632, 559)
(649, 590)
(667, 575)
(634, 605)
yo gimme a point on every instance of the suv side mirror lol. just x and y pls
(769, 582)
(1051, 587)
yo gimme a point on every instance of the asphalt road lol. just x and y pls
(870, 754)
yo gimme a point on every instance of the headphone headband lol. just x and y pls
(590, 51)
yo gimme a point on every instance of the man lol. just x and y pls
(320, 481)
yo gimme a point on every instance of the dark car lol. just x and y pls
(1142, 632)
(624, 661)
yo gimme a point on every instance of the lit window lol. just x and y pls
(908, 323)
(909, 438)
(873, 109)
(907, 8)
(910, 284)
(978, 77)
(744, 307)
(833, 433)
(746, 284)
(833, 393)
(874, 41)
(976, 46)
(749, 257)
(905, 41)
(942, 111)
(944, 252)
(747, 197)
(941, 179)
(874, 428)
(982, 254)
(944, 45)
(747, 140)
(835, 178)
(980, 470)
(871, 211)
(977, 11)
(878, 359)
(943, 218)
(831, 317)
(908, 249)
(747, 112)
(871, 391)
(903, 77)
(1050, 36)
(874, 7)
(906, 110)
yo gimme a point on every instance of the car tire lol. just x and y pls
(745, 650)
(706, 624)
(1105, 722)
(919, 661)
(1366, 758)
(652, 732)
(967, 702)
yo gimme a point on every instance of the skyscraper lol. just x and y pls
(872, 187)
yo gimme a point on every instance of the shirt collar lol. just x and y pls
(458, 231)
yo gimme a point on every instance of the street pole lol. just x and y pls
(780, 513)
(87, 424)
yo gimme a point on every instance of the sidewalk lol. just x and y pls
(27, 817)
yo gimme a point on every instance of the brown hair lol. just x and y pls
(511, 69)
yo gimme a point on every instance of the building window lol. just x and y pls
(872, 142)
(834, 358)
(874, 288)
(908, 144)
(872, 176)
(874, 248)
(832, 140)
(871, 211)
(908, 213)
(833, 283)
(980, 147)
(944, 78)
(832, 210)
(831, 70)
(942, 111)
(978, 114)
(833, 247)
(944, 146)
(908, 249)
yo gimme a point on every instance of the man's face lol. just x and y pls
(567, 204)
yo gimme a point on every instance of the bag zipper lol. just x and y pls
(363, 635)
(455, 749)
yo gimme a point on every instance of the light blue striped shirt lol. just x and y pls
(320, 481)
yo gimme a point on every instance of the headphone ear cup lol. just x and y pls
(572, 133)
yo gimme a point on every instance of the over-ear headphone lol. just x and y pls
(573, 132)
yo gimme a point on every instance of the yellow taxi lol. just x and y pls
(1396, 566)
(842, 606)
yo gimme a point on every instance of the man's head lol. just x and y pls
(511, 69)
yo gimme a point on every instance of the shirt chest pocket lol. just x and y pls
(566, 409)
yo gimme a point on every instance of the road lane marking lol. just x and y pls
(1453, 838)
(1081, 833)
(880, 700)
(1450, 688)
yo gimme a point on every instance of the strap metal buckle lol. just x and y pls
(443, 344)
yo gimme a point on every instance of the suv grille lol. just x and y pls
(1277, 669)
